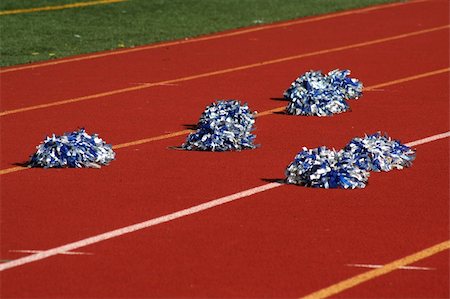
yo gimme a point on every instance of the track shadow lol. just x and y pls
(22, 164)
(176, 148)
(190, 126)
(280, 112)
(281, 181)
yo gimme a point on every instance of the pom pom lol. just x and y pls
(379, 153)
(74, 150)
(325, 168)
(224, 125)
(316, 94)
(350, 88)
(349, 168)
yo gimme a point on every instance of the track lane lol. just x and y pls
(287, 242)
(133, 162)
(69, 81)
(261, 114)
(181, 174)
(147, 110)
(141, 86)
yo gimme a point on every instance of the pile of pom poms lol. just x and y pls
(73, 150)
(348, 168)
(225, 125)
(322, 95)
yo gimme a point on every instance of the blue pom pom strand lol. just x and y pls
(325, 168)
(378, 152)
(73, 150)
(350, 88)
(316, 94)
(224, 125)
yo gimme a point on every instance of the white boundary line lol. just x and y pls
(36, 251)
(429, 139)
(166, 218)
(129, 229)
(370, 266)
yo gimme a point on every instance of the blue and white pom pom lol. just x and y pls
(350, 88)
(325, 168)
(316, 94)
(74, 150)
(379, 153)
(224, 126)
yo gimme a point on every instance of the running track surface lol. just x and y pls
(284, 242)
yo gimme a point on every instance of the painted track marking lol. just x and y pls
(135, 227)
(37, 251)
(146, 140)
(57, 7)
(363, 277)
(220, 72)
(371, 266)
(211, 37)
(260, 114)
(12, 169)
(429, 139)
(166, 218)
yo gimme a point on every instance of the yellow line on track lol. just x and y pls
(12, 169)
(57, 7)
(211, 37)
(220, 72)
(358, 279)
(420, 76)
(260, 114)
(146, 140)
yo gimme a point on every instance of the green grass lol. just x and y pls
(47, 35)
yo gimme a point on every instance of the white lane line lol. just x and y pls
(36, 251)
(429, 139)
(129, 229)
(169, 217)
(162, 84)
(381, 266)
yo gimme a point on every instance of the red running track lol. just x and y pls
(286, 242)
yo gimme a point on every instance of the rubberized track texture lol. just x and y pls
(286, 241)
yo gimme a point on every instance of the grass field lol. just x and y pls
(37, 36)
